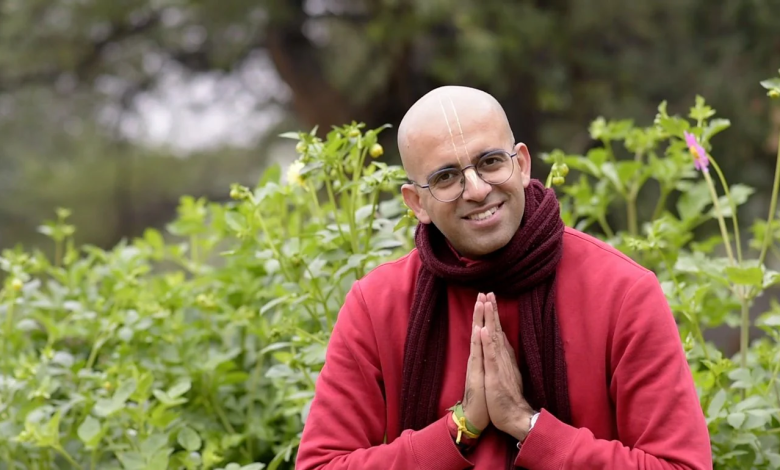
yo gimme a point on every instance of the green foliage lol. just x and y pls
(200, 348)
(197, 349)
(707, 284)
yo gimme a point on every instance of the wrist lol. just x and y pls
(523, 424)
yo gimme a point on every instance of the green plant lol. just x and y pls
(200, 351)
(708, 282)
(199, 348)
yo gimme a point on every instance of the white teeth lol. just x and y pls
(484, 215)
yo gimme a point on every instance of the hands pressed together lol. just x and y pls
(494, 386)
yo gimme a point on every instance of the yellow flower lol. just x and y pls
(376, 151)
(294, 173)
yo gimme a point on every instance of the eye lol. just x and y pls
(444, 178)
(489, 161)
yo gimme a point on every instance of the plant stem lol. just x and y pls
(93, 354)
(605, 226)
(733, 206)
(67, 457)
(317, 208)
(548, 183)
(335, 208)
(253, 395)
(661, 203)
(631, 214)
(772, 208)
(221, 414)
(744, 333)
(721, 222)
(370, 228)
(694, 321)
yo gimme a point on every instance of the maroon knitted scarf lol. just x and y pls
(525, 268)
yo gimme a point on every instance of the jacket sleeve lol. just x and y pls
(659, 420)
(346, 425)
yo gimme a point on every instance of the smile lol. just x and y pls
(482, 216)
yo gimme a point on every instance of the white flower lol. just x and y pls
(294, 173)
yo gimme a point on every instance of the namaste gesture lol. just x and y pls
(494, 386)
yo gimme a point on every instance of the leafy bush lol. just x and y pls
(200, 348)
(200, 352)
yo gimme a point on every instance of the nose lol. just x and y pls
(475, 187)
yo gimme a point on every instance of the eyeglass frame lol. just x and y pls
(463, 174)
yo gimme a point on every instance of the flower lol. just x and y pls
(700, 159)
(376, 151)
(294, 173)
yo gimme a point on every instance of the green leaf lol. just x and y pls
(715, 127)
(235, 221)
(253, 466)
(106, 407)
(180, 388)
(291, 135)
(154, 239)
(132, 461)
(89, 431)
(751, 402)
(153, 443)
(189, 439)
(272, 174)
(745, 276)
(701, 111)
(736, 419)
(282, 456)
(166, 400)
(716, 405)
(610, 172)
(124, 391)
(692, 202)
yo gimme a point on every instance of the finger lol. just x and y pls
(489, 351)
(491, 298)
(478, 367)
(479, 311)
(490, 322)
(510, 350)
(475, 375)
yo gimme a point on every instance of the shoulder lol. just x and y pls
(394, 279)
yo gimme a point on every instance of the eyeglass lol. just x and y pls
(448, 185)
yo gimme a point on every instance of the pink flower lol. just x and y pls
(700, 159)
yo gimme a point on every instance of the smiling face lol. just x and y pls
(451, 127)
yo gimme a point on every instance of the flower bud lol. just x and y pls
(558, 180)
(17, 285)
(376, 151)
(773, 93)
(301, 147)
(410, 214)
(354, 133)
(563, 169)
(235, 194)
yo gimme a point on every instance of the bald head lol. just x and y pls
(449, 117)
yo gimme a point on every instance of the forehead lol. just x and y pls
(455, 141)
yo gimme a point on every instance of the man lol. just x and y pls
(504, 339)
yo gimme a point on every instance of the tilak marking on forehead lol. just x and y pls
(472, 174)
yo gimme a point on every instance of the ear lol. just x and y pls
(412, 200)
(524, 163)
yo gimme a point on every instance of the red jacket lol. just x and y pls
(633, 402)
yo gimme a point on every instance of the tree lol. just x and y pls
(555, 65)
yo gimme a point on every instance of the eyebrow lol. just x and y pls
(473, 160)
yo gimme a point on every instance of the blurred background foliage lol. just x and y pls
(117, 108)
